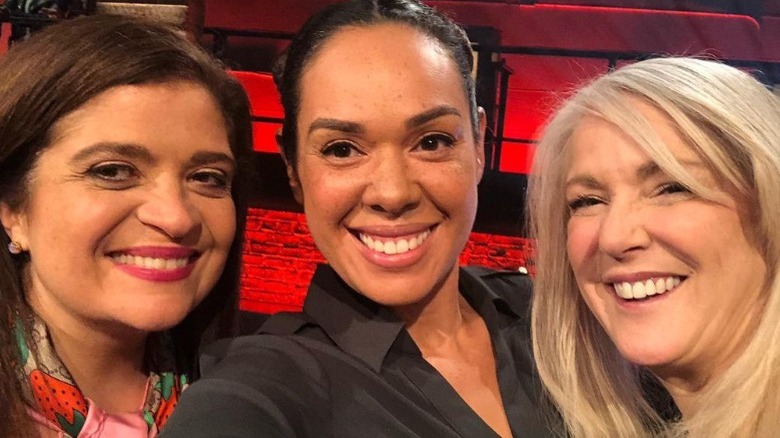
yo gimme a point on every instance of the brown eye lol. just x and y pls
(112, 171)
(213, 179)
(435, 142)
(341, 149)
(113, 175)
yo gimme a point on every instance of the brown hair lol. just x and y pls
(57, 71)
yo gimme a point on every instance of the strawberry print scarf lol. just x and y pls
(51, 392)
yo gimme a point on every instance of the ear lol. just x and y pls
(15, 225)
(292, 174)
(480, 143)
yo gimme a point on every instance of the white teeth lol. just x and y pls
(624, 290)
(639, 291)
(660, 286)
(647, 288)
(650, 288)
(157, 263)
(396, 246)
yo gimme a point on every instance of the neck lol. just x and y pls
(437, 318)
(687, 383)
(685, 394)
(106, 362)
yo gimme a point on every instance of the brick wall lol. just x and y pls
(280, 257)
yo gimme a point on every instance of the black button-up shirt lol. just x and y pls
(346, 367)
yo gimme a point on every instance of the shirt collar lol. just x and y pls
(359, 326)
(367, 330)
(482, 297)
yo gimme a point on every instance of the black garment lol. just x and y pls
(346, 367)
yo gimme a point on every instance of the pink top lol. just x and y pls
(101, 424)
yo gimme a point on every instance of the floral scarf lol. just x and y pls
(50, 390)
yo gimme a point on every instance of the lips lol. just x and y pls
(156, 263)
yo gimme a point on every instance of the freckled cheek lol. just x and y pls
(330, 197)
(451, 193)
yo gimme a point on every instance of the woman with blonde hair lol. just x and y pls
(655, 202)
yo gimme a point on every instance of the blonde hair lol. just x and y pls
(733, 122)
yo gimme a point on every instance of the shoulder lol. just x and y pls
(514, 287)
(253, 383)
(238, 358)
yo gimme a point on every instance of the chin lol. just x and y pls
(646, 356)
(394, 294)
(155, 320)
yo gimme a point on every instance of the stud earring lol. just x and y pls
(14, 248)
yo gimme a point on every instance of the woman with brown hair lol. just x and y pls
(122, 159)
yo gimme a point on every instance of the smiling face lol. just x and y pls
(387, 166)
(674, 279)
(129, 217)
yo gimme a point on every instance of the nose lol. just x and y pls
(623, 230)
(168, 209)
(393, 187)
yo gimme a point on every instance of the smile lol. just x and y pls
(647, 288)
(157, 263)
(391, 246)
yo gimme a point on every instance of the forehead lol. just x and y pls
(134, 103)
(628, 138)
(380, 64)
(170, 119)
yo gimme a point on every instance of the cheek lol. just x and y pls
(329, 196)
(453, 186)
(57, 217)
(581, 243)
(221, 220)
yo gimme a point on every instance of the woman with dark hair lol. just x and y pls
(383, 142)
(121, 193)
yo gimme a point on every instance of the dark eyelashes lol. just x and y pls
(212, 179)
(674, 187)
(112, 172)
(431, 141)
(345, 149)
(582, 201)
(120, 176)
(338, 149)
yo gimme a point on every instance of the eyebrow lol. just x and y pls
(336, 125)
(586, 181)
(645, 171)
(132, 151)
(356, 128)
(137, 152)
(204, 157)
(431, 114)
